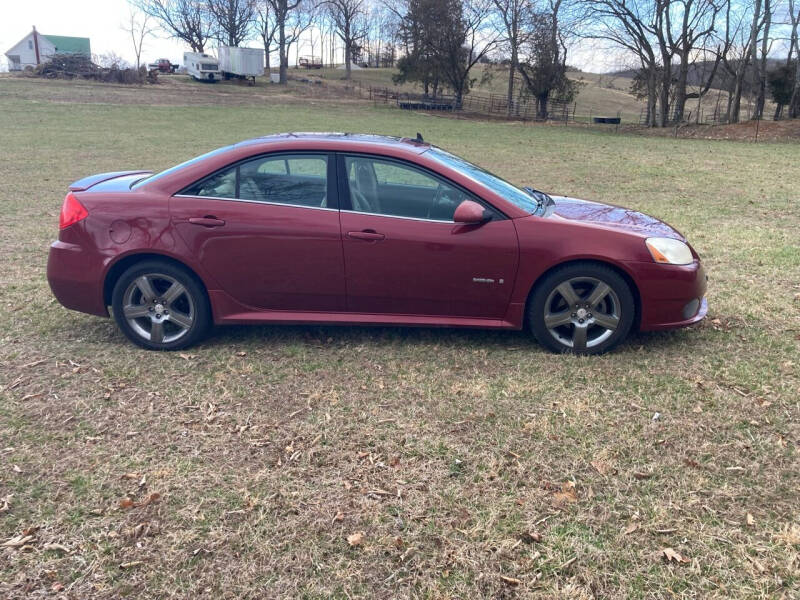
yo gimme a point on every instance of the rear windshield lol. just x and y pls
(172, 170)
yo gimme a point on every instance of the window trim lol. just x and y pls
(344, 187)
(331, 186)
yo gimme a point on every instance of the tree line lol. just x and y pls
(678, 50)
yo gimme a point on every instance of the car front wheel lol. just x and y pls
(584, 308)
(160, 306)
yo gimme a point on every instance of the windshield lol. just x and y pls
(510, 192)
(171, 170)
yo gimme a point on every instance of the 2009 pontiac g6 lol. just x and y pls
(363, 229)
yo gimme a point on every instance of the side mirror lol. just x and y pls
(471, 213)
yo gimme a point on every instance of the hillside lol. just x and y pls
(598, 95)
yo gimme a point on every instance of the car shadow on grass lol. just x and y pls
(84, 328)
(492, 340)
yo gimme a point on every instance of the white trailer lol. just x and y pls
(243, 63)
(202, 67)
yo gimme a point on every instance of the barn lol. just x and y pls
(36, 48)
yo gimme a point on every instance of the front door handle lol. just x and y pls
(207, 221)
(368, 235)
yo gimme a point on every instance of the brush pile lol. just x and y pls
(77, 66)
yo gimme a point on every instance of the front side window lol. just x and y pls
(510, 192)
(299, 180)
(385, 187)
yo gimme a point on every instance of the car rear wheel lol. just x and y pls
(160, 306)
(584, 308)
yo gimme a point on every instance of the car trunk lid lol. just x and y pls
(92, 180)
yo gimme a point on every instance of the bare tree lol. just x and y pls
(735, 56)
(629, 25)
(513, 22)
(696, 20)
(233, 20)
(138, 27)
(291, 18)
(187, 20)
(760, 63)
(794, 43)
(347, 17)
(267, 27)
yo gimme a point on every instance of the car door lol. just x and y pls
(267, 231)
(404, 254)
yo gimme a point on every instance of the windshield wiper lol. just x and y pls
(542, 200)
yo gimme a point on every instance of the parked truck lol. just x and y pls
(202, 67)
(241, 63)
(163, 65)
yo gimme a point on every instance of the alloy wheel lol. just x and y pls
(582, 312)
(158, 308)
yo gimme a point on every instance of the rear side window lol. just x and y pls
(298, 180)
(219, 185)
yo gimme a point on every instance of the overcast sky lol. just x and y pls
(102, 20)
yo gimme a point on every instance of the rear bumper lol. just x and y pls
(73, 277)
(672, 296)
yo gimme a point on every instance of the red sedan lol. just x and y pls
(363, 229)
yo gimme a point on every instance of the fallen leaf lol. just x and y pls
(154, 498)
(57, 587)
(510, 580)
(750, 520)
(640, 476)
(57, 547)
(567, 495)
(17, 541)
(530, 537)
(355, 539)
(126, 503)
(671, 556)
(338, 517)
(602, 467)
(630, 529)
(397, 542)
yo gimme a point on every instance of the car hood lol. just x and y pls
(607, 215)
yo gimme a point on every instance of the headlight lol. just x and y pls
(669, 251)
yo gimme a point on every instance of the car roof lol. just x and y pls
(341, 139)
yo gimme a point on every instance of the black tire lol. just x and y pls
(183, 320)
(584, 326)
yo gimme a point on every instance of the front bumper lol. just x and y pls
(75, 278)
(672, 296)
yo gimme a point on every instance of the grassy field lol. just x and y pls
(460, 464)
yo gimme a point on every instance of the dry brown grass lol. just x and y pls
(473, 464)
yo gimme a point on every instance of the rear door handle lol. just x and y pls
(207, 221)
(367, 234)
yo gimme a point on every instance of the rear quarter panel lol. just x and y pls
(121, 224)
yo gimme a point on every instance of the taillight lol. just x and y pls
(72, 211)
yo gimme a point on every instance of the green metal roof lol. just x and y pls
(72, 45)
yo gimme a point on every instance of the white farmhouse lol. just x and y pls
(37, 48)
